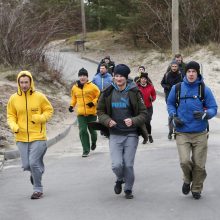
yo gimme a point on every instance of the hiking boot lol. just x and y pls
(86, 154)
(196, 195)
(170, 136)
(37, 195)
(93, 147)
(32, 180)
(186, 188)
(150, 139)
(118, 186)
(128, 194)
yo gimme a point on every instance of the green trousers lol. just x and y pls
(83, 131)
(192, 148)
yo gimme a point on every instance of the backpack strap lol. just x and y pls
(202, 91)
(177, 93)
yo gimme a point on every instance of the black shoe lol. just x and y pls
(32, 180)
(196, 195)
(118, 186)
(93, 147)
(150, 138)
(86, 154)
(186, 188)
(128, 194)
(170, 136)
(144, 141)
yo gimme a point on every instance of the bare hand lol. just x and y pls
(128, 122)
(112, 123)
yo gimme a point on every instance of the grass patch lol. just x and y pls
(12, 77)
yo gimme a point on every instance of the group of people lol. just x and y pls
(124, 107)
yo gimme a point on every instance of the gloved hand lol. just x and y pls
(71, 109)
(177, 122)
(90, 104)
(200, 115)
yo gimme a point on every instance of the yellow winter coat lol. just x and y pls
(27, 113)
(81, 97)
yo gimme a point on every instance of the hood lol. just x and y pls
(25, 73)
(130, 85)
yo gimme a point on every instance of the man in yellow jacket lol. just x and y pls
(85, 95)
(27, 113)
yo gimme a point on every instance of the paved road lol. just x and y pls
(82, 188)
(79, 188)
(70, 63)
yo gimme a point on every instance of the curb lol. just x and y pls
(13, 154)
(90, 60)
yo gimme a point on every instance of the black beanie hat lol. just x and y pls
(122, 69)
(144, 75)
(83, 72)
(193, 65)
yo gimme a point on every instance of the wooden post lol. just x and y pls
(83, 20)
(175, 27)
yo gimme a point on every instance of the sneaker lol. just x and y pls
(37, 195)
(128, 194)
(196, 195)
(86, 154)
(186, 188)
(170, 136)
(93, 147)
(150, 138)
(32, 180)
(118, 186)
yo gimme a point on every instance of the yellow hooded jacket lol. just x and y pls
(89, 93)
(27, 113)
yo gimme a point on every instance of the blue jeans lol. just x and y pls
(32, 154)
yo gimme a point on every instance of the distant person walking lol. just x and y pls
(27, 113)
(85, 95)
(182, 66)
(169, 79)
(149, 95)
(190, 118)
(109, 63)
(141, 69)
(103, 78)
(121, 109)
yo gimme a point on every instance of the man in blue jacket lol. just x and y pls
(103, 78)
(190, 119)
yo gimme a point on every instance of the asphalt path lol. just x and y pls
(77, 188)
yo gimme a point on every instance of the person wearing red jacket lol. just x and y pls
(149, 95)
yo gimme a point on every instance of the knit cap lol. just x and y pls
(122, 69)
(193, 65)
(83, 72)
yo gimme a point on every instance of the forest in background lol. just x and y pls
(28, 25)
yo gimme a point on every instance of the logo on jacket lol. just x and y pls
(124, 103)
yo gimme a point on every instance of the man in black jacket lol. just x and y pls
(121, 109)
(169, 79)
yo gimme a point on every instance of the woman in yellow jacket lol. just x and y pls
(27, 113)
(85, 95)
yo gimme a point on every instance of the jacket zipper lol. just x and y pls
(27, 115)
(84, 101)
